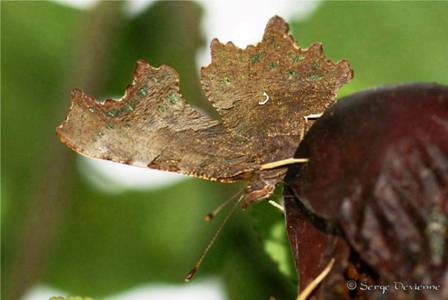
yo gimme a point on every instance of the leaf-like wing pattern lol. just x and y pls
(264, 91)
(262, 94)
(152, 126)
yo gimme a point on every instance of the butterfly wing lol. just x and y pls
(153, 126)
(264, 92)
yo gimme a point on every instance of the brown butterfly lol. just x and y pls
(262, 94)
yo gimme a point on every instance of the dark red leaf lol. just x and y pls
(379, 169)
(313, 243)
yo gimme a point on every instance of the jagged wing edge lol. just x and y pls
(315, 47)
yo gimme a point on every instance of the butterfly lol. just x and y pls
(262, 93)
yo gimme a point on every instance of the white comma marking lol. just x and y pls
(265, 100)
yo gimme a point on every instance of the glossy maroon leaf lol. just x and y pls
(379, 169)
(312, 247)
(314, 242)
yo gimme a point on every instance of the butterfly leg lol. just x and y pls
(316, 281)
(307, 118)
(312, 117)
(277, 206)
(283, 162)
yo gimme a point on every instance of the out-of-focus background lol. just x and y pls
(74, 226)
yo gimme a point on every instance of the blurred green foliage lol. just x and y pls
(385, 43)
(69, 298)
(107, 243)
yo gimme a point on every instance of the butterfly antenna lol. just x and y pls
(313, 284)
(212, 241)
(277, 206)
(283, 162)
(213, 214)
